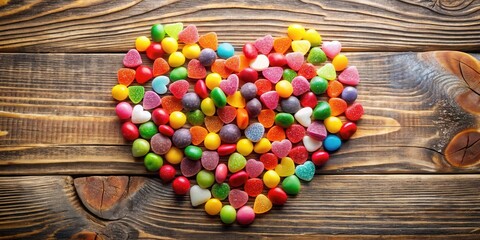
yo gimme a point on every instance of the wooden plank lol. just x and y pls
(393, 206)
(362, 25)
(57, 116)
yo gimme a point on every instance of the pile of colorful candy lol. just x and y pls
(283, 112)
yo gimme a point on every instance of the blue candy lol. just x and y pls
(159, 84)
(305, 171)
(225, 50)
(332, 143)
(255, 132)
(349, 94)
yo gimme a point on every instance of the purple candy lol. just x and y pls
(182, 138)
(207, 57)
(190, 167)
(160, 144)
(210, 160)
(317, 131)
(191, 101)
(230, 133)
(349, 94)
(254, 107)
(248, 91)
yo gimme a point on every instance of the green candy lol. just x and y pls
(173, 29)
(318, 85)
(196, 117)
(236, 162)
(291, 185)
(284, 120)
(322, 111)
(147, 130)
(136, 93)
(289, 74)
(193, 152)
(228, 214)
(218, 97)
(178, 73)
(157, 32)
(153, 162)
(316, 56)
(220, 191)
(327, 71)
(205, 179)
(140, 147)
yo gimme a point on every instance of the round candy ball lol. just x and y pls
(225, 50)
(181, 185)
(191, 101)
(290, 105)
(124, 110)
(230, 133)
(254, 107)
(130, 131)
(153, 162)
(213, 206)
(182, 138)
(207, 57)
(349, 94)
(332, 143)
(140, 147)
(248, 91)
(245, 215)
(205, 179)
(228, 214)
(167, 173)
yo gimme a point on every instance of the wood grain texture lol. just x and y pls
(344, 207)
(58, 116)
(97, 26)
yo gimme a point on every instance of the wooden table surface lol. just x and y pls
(411, 171)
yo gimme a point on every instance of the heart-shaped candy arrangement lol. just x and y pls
(239, 127)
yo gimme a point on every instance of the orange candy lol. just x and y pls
(337, 106)
(219, 67)
(282, 44)
(334, 89)
(160, 67)
(198, 134)
(263, 86)
(209, 40)
(242, 118)
(213, 123)
(276, 133)
(266, 117)
(340, 62)
(233, 63)
(125, 76)
(171, 104)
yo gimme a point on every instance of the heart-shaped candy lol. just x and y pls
(199, 195)
(286, 167)
(237, 198)
(151, 100)
(349, 76)
(173, 29)
(300, 85)
(295, 60)
(332, 48)
(159, 84)
(179, 88)
(189, 35)
(132, 59)
(281, 148)
(160, 67)
(230, 85)
(273, 74)
(264, 45)
(254, 168)
(311, 144)
(327, 71)
(260, 63)
(136, 93)
(125, 76)
(210, 160)
(139, 115)
(305, 171)
(270, 99)
(262, 204)
(304, 116)
(196, 70)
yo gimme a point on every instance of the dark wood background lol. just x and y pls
(60, 139)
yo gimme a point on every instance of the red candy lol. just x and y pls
(320, 157)
(308, 99)
(277, 59)
(238, 179)
(263, 86)
(167, 173)
(269, 160)
(253, 187)
(248, 75)
(154, 51)
(160, 116)
(181, 185)
(189, 35)
(125, 76)
(250, 51)
(298, 154)
(196, 70)
(277, 196)
(354, 112)
(166, 130)
(347, 130)
(143, 74)
(179, 88)
(226, 149)
(295, 133)
(160, 67)
(307, 70)
(130, 131)
(201, 89)
(227, 114)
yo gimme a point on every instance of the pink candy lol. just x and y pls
(230, 85)
(151, 100)
(132, 59)
(264, 45)
(237, 198)
(349, 76)
(295, 60)
(254, 168)
(273, 74)
(300, 85)
(124, 110)
(270, 99)
(331, 49)
(281, 148)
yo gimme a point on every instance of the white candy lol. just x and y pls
(140, 116)
(303, 116)
(311, 144)
(199, 195)
(260, 63)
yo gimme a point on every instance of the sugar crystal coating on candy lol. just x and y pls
(305, 171)
(265, 44)
(295, 60)
(179, 88)
(230, 85)
(254, 168)
(281, 148)
(209, 40)
(160, 144)
(349, 76)
(237, 198)
(332, 48)
(273, 74)
(189, 167)
(255, 132)
(189, 35)
(132, 59)
(196, 70)
(125, 76)
(151, 100)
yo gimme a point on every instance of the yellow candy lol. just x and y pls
(213, 206)
(333, 124)
(262, 146)
(296, 31)
(169, 45)
(271, 179)
(340, 62)
(284, 88)
(176, 59)
(208, 107)
(313, 37)
(177, 119)
(244, 147)
(142, 43)
(120, 92)
(302, 46)
(191, 51)
(236, 100)
(212, 141)
(262, 204)
(286, 167)
(213, 80)
(174, 155)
